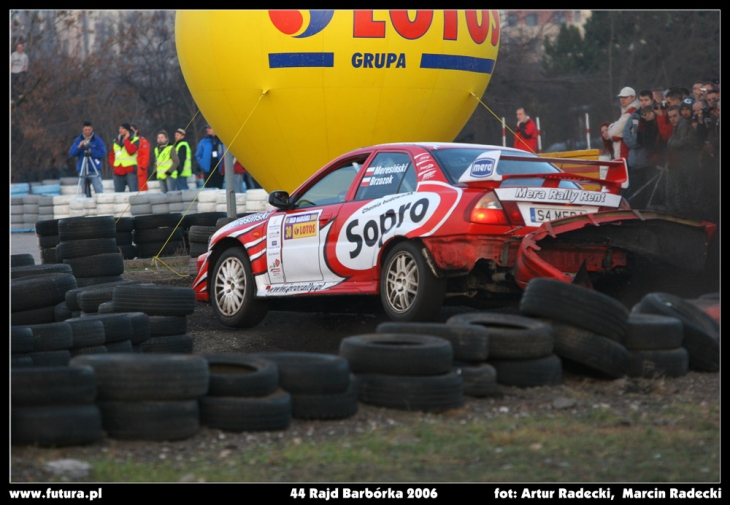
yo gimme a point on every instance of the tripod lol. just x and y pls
(84, 186)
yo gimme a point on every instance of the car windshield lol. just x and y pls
(456, 161)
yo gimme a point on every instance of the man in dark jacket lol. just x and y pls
(90, 150)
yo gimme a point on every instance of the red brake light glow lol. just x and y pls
(488, 210)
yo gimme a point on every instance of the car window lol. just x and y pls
(387, 174)
(332, 188)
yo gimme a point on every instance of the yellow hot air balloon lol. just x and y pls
(288, 90)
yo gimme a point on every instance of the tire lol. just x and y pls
(233, 291)
(47, 386)
(31, 270)
(575, 305)
(47, 228)
(21, 339)
(21, 260)
(512, 336)
(197, 248)
(94, 349)
(701, 332)
(20, 361)
(99, 265)
(593, 351)
(86, 332)
(171, 344)
(84, 282)
(40, 290)
(163, 326)
(147, 377)
(117, 327)
(658, 363)
(469, 342)
(480, 380)
(120, 347)
(397, 354)
(409, 291)
(234, 375)
(653, 332)
(48, 255)
(310, 373)
(154, 300)
(106, 308)
(70, 249)
(334, 406)
(124, 238)
(71, 297)
(51, 336)
(50, 358)
(49, 242)
(56, 426)
(90, 299)
(527, 373)
(267, 413)
(146, 236)
(79, 228)
(201, 234)
(203, 218)
(432, 393)
(156, 221)
(33, 316)
(150, 420)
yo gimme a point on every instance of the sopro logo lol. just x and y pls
(301, 24)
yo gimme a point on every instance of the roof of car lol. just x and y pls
(453, 145)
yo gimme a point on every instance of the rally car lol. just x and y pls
(417, 222)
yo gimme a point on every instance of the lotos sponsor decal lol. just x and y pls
(365, 232)
(301, 226)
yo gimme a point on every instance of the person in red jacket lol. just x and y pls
(629, 104)
(526, 132)
(143, 159)
(123, 159)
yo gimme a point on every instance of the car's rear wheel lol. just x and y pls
(409, 290)
(233, 289)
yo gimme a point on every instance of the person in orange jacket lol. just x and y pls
(143, 159)
(526, 132)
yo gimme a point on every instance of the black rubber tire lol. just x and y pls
(124, 238)
(512, 336)
(526, 373)
(397, 354)
(33, 316)
(154, 300)
(161, 249)
(140, 327)
(203, 218)
(310, 373)
(124, 224)
(233, 291)
(405, 263)
(48, 255)
(49, 242)
(480, 380)
(71, 249)
(47, 386)
(51, 336)
(196, 249)
(177, 344)
(236, 375)
(653, 332)
(200, 234)
(79, 228)
(120, 347)
(21, 260)
(99, 265)
(20, 361)
(147, 377)
(106, 308)
(230, 413)
(31, 270)
(591, 350)
(84, 282)
(151, 221)
(46, 228)
(90, 299)
(71, 297)
(61, 312)
(701, 332)
(575, 305)
(86, 332)
(21, 339)
(117, 327)
(94, 349)
(55, 426)
(128, 251)
(150, 420)
(333, 406)
(432, 393)
(164, 326)
(50, 358)
(40, 290)
(153, 235)
(469, 342)
(655, 363)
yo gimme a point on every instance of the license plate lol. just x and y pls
(541, 215)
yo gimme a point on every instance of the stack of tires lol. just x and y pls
(21, 345)
(45, 207)
(167, 308)
(51, 344)
(48, 239)
(189, 201)
(88, 336)
(198, 237)
(174, 201)
(70, 306)
(148, 397)
(89, 246)
(470, 344)
(321, 385)
(54, 406)
(69, 185)
(33, 298)
(122, 332)
(589, 327)
(61, 205)
(30, 211)
(105, 203)
(404, 371)
(141, 204)
(16, 213)
(158, 234)
(256, 200)
(244, 395)
(701, 333)
(207, 200)
(654, 345)
(125, 240)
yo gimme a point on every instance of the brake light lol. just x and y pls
(488, 210)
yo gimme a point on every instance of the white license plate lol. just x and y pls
(541, 215)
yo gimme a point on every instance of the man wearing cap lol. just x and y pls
(90, 150)
(123, 159)
(209, 154)
(629, 104)
(184, 164)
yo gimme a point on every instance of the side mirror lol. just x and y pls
(280, 200)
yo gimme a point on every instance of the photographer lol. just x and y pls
(90, 150)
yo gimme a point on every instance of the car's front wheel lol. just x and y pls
(233, 289)
(409, 290)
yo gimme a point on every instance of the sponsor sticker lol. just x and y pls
(301, 226)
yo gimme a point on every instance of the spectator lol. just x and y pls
(712, 97)
(606, 142)
(143, 159)
(629, 104)
(526, 132)
(18, 70)
(697, 90)
(674, 97)
(185, 160)
(238, 173)
(123, 159)
(209, 154)
(639, 134)
(685, 109)
(90, 150)
(683, 195)
(165, 157)
(658, 95)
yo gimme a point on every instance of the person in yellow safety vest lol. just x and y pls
(123, 159)
(182, 149)
(165, 158)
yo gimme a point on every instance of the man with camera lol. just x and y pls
(123, 159)
(629, 104)
(89, 150)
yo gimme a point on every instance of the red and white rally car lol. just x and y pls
(416, 222)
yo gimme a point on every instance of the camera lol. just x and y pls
(662, 105)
